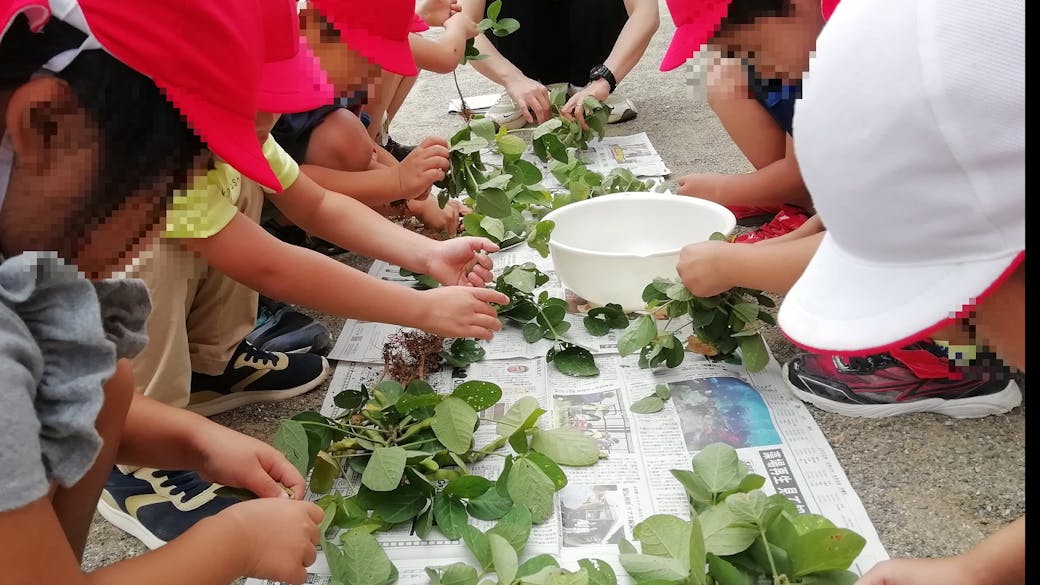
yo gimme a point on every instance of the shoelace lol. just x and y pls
(258, 356)
(867, 364)
(182, 482)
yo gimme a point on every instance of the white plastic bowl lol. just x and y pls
(608, 248)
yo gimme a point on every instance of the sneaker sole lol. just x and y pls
(976, 407)
(129, 525)
(237, 399)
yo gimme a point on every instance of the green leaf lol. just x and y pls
(720, 468)
(549, 468)
(528, 486)
(450, 514)
(723, 535)
(493, 9)
(478, 394)
(697, 550)
(645, 568)
(504, 558)
(664, 535)
(385, 468)
(638, 334)
(493, 227)
(535, 564)
(477, 543)
(518, 413)
(750, 507)
(538, 239)
(648, 405)
(830, 578)
(594, 326)
(411, 402)
(363, 560)
(546, 128)
(402, 504)
(291, 440)
(514, 527)
(492, 505)
(725, 573)
(350, 400)
(566, 446)
(493, 203)
(483, 127)
(468, 486)
(423, 523)
(458, 574)
(506, 26)
(453, 424)
(754, 353)
(326, 471)
(511, 145)
(825, 549)
(576, 361)
(599, 572)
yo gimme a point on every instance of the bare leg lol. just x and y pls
(379, 107)
(404, 86)
(75, 506)
(750, 126)
(340, 142)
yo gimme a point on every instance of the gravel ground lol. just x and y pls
(932, 485)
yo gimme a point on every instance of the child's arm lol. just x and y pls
(774, 184)
(444, 54)
(249, 254)
(713, 267)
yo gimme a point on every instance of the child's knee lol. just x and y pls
(345, 140)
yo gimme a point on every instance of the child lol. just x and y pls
(944, 155)
(205, 272)
(89, 154)
(765, 49)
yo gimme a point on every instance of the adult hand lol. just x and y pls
(574, 108)
(704, 185)
(277, 539)
(531, 99)
(462, 311)
(461, 261)
(948, 571)
(435, 12)
(235, 459)
(424, 166)
(461, 21)
(700, 267)
(440, 220)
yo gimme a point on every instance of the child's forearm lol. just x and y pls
(774, 184)
(774, 268)
(1001, 558)
(440, 56)
(160, 435)
(377, 186)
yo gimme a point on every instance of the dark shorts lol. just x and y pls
(293, 131)
(560, 40)
(777, 97)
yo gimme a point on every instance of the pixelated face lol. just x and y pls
(350, 72)
(52, 198)
(779, 47)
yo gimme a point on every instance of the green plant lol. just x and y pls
(654, 402)
(738, 535)
(542, 317)
(720, 325)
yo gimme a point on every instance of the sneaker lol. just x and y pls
(621, 109)
(916, 378)
(254, 375)
(155, 506)
(505, 114)
(279, 327)
(294, 235)
(397, 150)
(788, 219)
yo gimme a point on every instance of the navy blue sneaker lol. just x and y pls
(155, 506)
(279, 327)
(253, 375)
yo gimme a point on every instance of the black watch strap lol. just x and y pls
(602, 72)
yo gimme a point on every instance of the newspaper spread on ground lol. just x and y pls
(772, 431)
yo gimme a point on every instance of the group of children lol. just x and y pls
(161, 159)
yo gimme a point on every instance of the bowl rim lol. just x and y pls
(722, 210)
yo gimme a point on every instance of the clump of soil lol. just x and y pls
(411, 355)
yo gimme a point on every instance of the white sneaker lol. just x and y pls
(506, 114)
(621, 108)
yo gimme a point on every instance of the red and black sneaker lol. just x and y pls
(916, 378)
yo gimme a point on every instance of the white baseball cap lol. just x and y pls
(910, 136)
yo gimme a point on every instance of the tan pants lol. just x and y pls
(199, 315)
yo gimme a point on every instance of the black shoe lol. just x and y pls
(397, 150)
(279, 327)
(254, 375)
(292, 234)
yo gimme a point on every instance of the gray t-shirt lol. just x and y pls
(58, 346)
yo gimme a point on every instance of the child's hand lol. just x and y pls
(277, 539)
(234, 459)
(700, 267)
(463, 23)
(704, 185)
(439, 220)
(435, 12)
(462, 311)
(423, 167)
(461, 261)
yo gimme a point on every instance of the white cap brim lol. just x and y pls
(843, 304)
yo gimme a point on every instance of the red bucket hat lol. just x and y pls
(292, 79)
(380, 35)
(697, 21)
(37, 11)
(206, 56)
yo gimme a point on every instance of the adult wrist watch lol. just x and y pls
(601, 72)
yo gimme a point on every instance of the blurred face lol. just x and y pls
(778, 46)
(57, 159)
(350, 72)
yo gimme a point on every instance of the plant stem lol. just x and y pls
(489, 449)
(769, 553)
